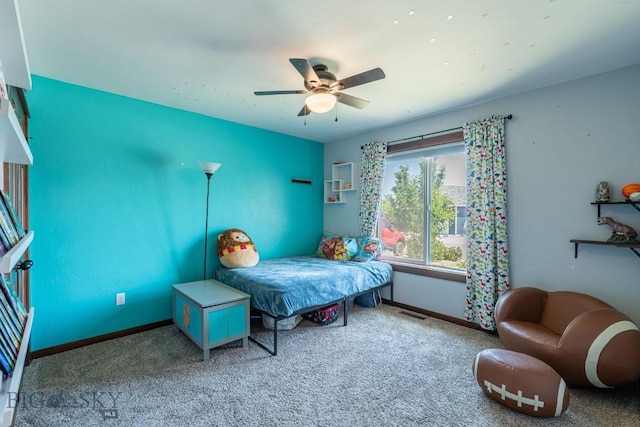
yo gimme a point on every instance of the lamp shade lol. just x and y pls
(210, 167)
(320, 102)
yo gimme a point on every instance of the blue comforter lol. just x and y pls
(283, 286)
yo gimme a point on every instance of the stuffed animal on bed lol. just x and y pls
(236, 249)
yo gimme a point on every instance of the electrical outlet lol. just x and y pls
(120, 298)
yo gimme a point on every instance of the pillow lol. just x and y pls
(339, 248)
(325, 236)
(369, 248)
(236, 249)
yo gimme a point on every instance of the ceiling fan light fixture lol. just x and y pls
(320, 102)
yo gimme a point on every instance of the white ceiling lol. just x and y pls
(208, 56)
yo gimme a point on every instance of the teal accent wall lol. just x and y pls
(117, 202)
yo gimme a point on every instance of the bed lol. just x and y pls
(285, 287)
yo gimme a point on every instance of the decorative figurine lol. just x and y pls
(621, 233)
(602, 192)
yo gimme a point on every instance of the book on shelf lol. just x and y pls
(5, 365)
(8, 347)
(10, 234)
(9, 325)
(7, 225)
(4, 239)
(10, 352)
(8, 342)
(7, 288)
(16, 321)
(13, 214)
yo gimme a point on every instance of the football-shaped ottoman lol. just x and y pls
(521, 382)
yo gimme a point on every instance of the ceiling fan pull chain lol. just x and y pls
(305, 114)
(336, 112)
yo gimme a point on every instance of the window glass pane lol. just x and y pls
(411, 232)
(448, 212)
(403, 208)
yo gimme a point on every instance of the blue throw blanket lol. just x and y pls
(282, 286)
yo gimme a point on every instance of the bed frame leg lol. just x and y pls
(275, 339)
(273, 352)
(344, 310)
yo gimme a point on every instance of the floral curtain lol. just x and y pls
(487, 252)
(374, 155)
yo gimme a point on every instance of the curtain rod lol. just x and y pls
(508, 117)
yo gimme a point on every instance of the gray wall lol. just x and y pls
(562, 140)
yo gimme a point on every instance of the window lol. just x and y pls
(424, 201)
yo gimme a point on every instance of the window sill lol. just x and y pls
(423, 270)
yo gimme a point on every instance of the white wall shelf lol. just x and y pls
(332, 191)
(12, 140)
(13, 149)
(11, 258)
(13, 52)
(341, 182)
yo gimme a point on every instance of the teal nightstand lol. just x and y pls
(211, 313)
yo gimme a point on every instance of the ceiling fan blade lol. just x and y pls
(360, 79)
(304, 112)
(351, 101)
(305, 69)
(280, 92)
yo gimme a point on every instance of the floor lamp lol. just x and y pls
(209, 168)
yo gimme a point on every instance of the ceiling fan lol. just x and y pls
(325, 88)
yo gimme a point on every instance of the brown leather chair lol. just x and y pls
(588, 342)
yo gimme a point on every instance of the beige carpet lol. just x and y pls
(384, 369)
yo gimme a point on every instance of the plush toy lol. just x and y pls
(236, 249)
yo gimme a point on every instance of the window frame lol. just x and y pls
(418, 269)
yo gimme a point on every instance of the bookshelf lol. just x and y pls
(14, 151)
(11, 383)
